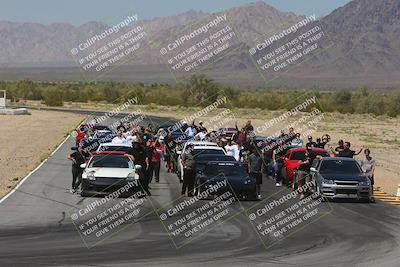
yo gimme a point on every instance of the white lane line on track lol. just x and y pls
(32, 172)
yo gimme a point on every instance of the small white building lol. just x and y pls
(9, 111)
(3, 98)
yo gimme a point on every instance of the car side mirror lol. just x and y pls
(74, 148)
(83, 165)
(178, 152)
(199, 172)
(138, 167)
(312, 169)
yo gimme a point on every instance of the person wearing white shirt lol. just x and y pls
(119, 139)
(189, 131)
(232, 149)
(201, 136)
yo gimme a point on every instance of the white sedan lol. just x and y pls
(108, 172)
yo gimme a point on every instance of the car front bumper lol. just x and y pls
(105, 186)
(334, 191)
(245, 191)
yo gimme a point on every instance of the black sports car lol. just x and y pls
(238, 180)
(203, 159)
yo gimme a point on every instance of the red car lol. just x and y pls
(292, 158)
(81, 131)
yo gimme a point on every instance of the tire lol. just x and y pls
(85, 194)
(285, 177)
(319, 195)
(253, 197)
(295, 184)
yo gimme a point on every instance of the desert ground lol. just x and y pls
(26, 140)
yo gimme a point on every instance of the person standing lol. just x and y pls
(319, 143)
(340, 146)
(278, 152)
(255, 170)
(232, 149)
(303, 172)
(119, 139)
(189, 171)
(267, 154)
(155, 154)
(78, 158)
(169, 152)
(311, 143)
(248, 127)
(297, 141)
(138, 155)
(201, 127)
(190, 132)
(347, 152)
(368, 166)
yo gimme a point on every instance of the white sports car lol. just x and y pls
(108, 172)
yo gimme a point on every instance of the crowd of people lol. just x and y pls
(151, 147)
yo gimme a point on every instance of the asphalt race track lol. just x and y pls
(36, 230)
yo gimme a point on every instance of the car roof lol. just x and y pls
(338, 158)
(224, 163)
(208, 147)
(214, 155)
(100, 125)
(228, 129)
(303, 149)
(201, 143)
(108, 153)
(111, 144)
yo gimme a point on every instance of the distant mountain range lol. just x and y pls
(365, 36)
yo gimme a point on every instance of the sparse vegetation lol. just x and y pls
(200, 91)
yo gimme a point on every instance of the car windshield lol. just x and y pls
(206, 158)
(197, 152)
(114, 148)
(101, 127)
(109, 161)
(301, 155)
(169, 129)
(228, 169)
(339, 167)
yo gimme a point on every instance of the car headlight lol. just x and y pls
(132, 176)
(90, 176)
(364, 183)
(328, 181)
(247, 181)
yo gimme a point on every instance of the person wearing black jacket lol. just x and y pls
(139, 156)
(78, 158)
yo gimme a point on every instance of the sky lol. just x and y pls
(78, 12)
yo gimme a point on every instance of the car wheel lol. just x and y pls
(253, 197)
(295, 183)
(285, 177)
(319, 194)
(84, 193)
